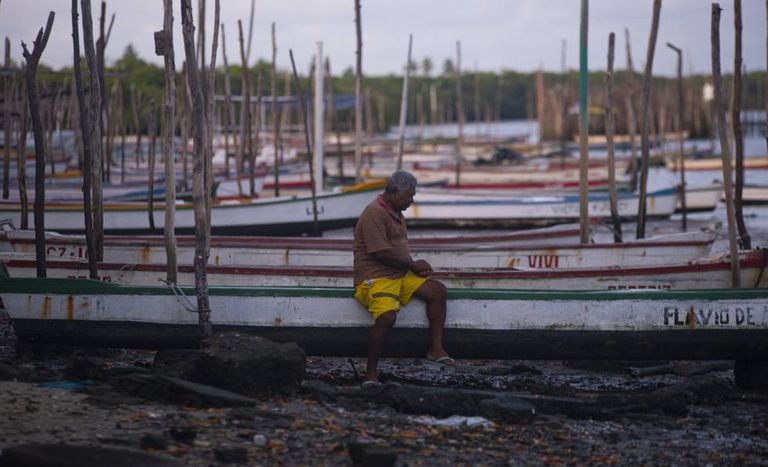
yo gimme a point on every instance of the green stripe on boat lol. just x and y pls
(35, 286)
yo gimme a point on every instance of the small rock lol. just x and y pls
(231, 454)
(185, 434)
(151, 441)
(260, 440)
(372, 455)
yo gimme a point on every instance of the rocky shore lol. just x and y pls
(126, 406)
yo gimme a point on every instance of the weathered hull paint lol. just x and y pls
(673, 248)
(705, 274)
(466, 209)
(717, 323)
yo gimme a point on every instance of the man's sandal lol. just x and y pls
(441, 362)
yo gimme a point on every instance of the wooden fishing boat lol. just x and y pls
(708, 273)
(658, 250)
(432, 207)
(270, 216)
(481, 323)
(713, 163)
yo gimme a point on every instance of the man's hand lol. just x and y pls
(421, 268)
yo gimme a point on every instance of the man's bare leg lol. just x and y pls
(435, 295)
(378, 336)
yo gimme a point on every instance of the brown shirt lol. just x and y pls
(379, 228)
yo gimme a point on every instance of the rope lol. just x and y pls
(180, 296)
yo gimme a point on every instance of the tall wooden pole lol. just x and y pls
(304, 119)
(358, 96)
(738, 134)
(21, 159)
(94, 116)
(151, 160)
(765, 84)
(86, 128)
(198, 185)
(459, 113)
(319, 114)
(164, 47)
(37, 127)
(644, 124)
(8, 83)
(583, 125)
(404, 106)
(246, 141)
(680, 127)
(724, 145)
(610, 125)
(631, 115)
(275, 112)
(230, 106)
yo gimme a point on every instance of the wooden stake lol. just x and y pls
(21, 157)
(358, 96)
(275, 112)
(231, 120)
(404, 105)
(152, 130)
(583, 125)
(198, 185)
(302, 108)
(37, 127)
(8, 82)
(680, 128)
(738, 134)
(459, 113)
(724, 145)
(610, 125)
(644, 142)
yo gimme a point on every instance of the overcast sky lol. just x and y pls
(495, 35)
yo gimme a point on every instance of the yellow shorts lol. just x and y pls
(382, 295)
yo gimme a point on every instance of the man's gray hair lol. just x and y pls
(400, 181)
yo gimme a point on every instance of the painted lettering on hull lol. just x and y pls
(67, 251)
(536, 262)
(737, 316)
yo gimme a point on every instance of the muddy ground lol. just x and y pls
(607, 412)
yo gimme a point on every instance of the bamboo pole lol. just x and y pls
(8, 83)
(151, 129)
(32, 60)
(738, 135)
(644, 142)
(725, 147)
(275, 112)
(610, 124)
(198, 185)
(404, 106)
(765, 84)
(459, 113)
(583, 125)
(680, 127)
(303, 110)
(358, 96)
